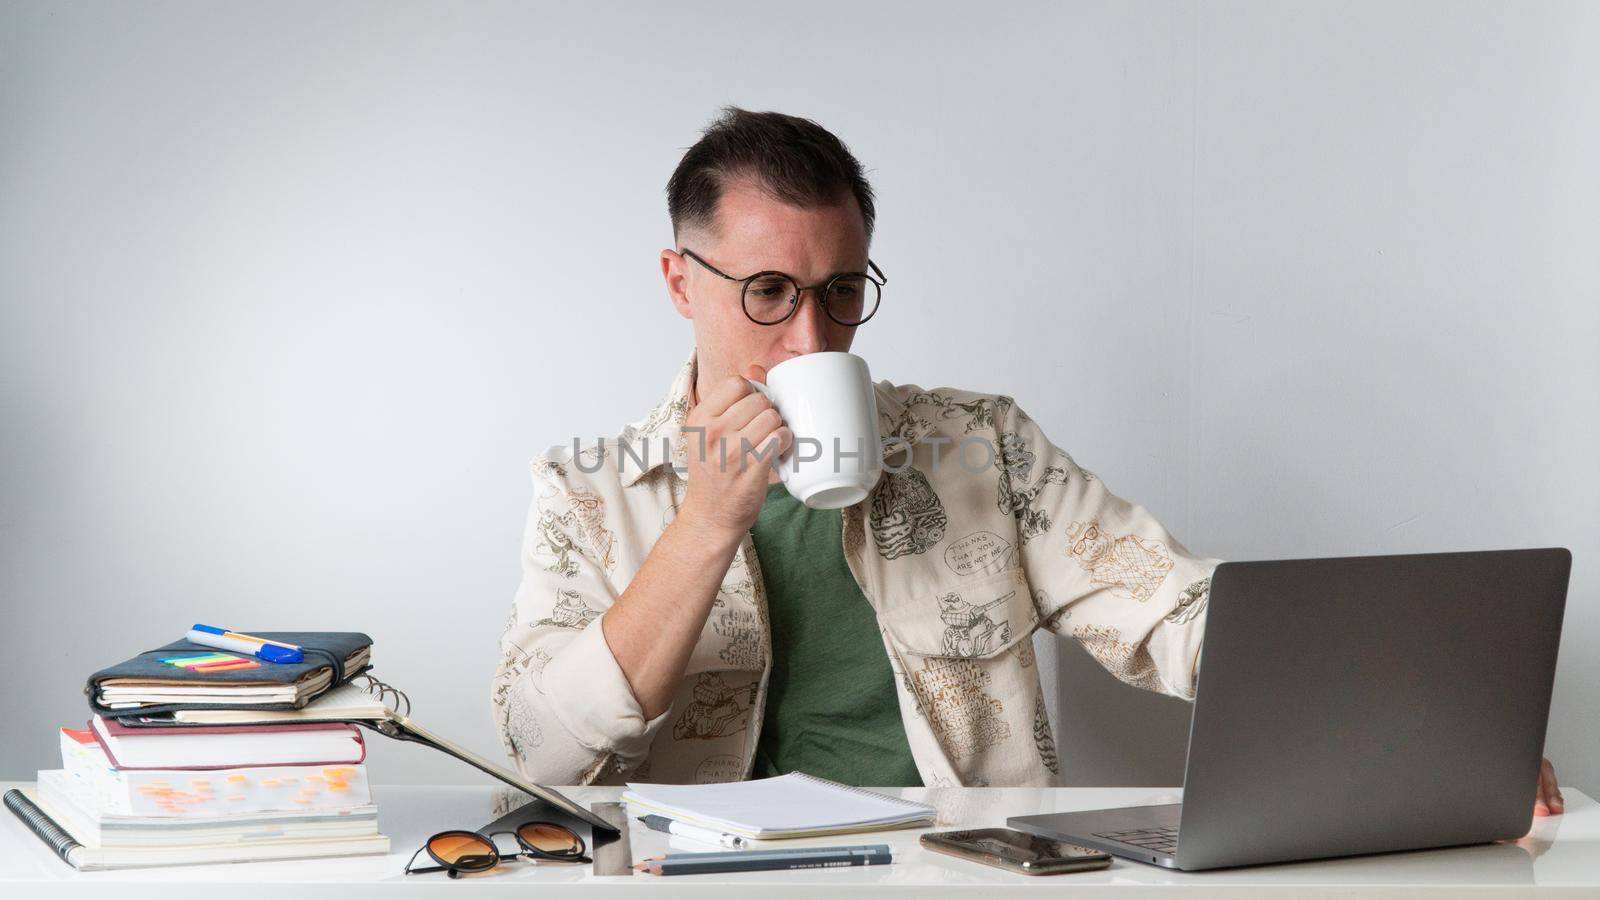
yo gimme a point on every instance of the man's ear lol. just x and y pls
(675, 269)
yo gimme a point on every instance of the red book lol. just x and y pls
(228, 746)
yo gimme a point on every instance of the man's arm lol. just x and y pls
(587, 674)
(1103, 570)
(654, 626)
(561, 705)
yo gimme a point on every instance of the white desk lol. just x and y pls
(1560, 856)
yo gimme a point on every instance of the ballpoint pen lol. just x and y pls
(684, 829)
(261, 648)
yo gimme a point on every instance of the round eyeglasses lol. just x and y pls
(770, 297)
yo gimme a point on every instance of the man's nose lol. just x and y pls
(808, 327)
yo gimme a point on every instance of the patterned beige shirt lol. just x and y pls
(962, 558)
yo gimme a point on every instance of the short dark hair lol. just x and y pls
(792, 159)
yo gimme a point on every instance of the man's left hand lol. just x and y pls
(1548, 801)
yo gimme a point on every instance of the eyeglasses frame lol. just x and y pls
(822, 296)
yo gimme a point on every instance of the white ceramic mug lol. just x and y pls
(828, 402)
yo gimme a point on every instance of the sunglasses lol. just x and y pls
(458, 851)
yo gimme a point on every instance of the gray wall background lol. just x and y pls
(290, 293)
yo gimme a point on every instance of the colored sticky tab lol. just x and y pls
(228, 666)
(194, 659)
(211, 662)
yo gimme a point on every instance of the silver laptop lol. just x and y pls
(1355, 705)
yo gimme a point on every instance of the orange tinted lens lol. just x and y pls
(549, 838)
(466, 851)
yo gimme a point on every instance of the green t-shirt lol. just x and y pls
(831, 708)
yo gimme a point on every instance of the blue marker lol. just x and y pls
(261, 648)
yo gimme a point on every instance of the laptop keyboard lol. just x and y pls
(1162, 840)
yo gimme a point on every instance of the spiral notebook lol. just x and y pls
(788, 806)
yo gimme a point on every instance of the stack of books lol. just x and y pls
(194, 756)
(154, 779)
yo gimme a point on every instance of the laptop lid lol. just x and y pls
(1369, 704)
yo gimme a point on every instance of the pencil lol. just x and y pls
(754, 861)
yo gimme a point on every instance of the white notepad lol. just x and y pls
(792, 805)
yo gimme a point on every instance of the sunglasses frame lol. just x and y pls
(495, 857)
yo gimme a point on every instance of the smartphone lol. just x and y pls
(1015, 850)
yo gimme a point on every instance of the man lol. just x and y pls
(683, 619)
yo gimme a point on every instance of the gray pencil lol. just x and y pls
(772, 851)
(813, 858)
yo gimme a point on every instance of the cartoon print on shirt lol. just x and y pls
(743, 632)
(1031, 520)
(909, 428)
(1128, 565)
(979, 553)
(1130, 663)
(1190, 602)
(539, 661)
(554, 545)
(719, 600)
(545, 467)
(855, 533)
(969, 629)
(907, 517)
(590, 511)
(1048, 620)
(570, 611)
(1024, 653)
(1015, 460)
(718, 768)
(595, 453)
(980, 412)
(1016, 497)
(519, 728)
(964, 718)
(715, 712)
(1044, 740)
(738, 586)
(521, 725)
(675, 412)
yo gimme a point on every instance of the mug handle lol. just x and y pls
(763, 390)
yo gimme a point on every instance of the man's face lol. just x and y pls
(755, 233)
